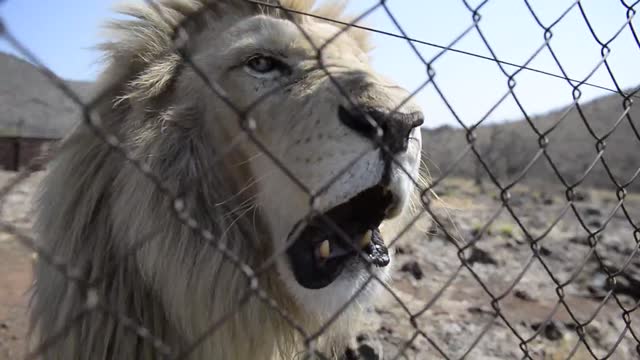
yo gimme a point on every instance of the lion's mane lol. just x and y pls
(139, 273)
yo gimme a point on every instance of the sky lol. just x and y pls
(62, 33)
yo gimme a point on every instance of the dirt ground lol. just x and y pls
(450, 304)
(15, 267)
(16, 262)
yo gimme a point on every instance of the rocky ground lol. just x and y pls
(452, 311)
(436, 307)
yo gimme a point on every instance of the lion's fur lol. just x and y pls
(95, 207)
(147, 40)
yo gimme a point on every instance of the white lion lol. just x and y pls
(219, 144)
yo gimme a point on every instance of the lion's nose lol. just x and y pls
(396, 126)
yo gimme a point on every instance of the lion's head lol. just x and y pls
(277, 148)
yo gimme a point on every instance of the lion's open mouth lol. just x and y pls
(346, 232)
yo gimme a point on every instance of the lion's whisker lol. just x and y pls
(252, 182)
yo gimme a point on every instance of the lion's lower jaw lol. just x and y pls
(259, 331)
(341, 304)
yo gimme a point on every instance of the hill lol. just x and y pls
(31, 105)
(508, 147)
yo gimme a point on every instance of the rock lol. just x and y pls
(400, 250)
(579, 195)
(580, 239)
(479, 310)
(627, 282)
(413, 268)
(591, 211)
(545, 251)
(523, 295)
(544, 198)
(386, 330)
(552, 330)
(595, 224)
(629, 285)
(480, 256)
(475, 231)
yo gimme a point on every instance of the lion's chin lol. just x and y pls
(345, 238)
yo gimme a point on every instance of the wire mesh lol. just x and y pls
(423, 341)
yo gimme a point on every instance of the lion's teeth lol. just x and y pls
(366, 239)
(324, 250)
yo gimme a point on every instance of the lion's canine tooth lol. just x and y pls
(324, 250)
(366, 239)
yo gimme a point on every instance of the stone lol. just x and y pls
(413, 268)
(480, 256)
(551, 330)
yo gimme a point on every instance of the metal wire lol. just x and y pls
(496, 316)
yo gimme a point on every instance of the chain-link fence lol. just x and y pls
(433, 314)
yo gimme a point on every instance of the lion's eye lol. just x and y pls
(265, 66)
(262, 64)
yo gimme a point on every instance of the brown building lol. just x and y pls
(34, 114)
(20, 152)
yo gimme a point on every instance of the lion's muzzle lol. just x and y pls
(395, 126)
(349, 232)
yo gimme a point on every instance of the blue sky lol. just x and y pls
(62, 37)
